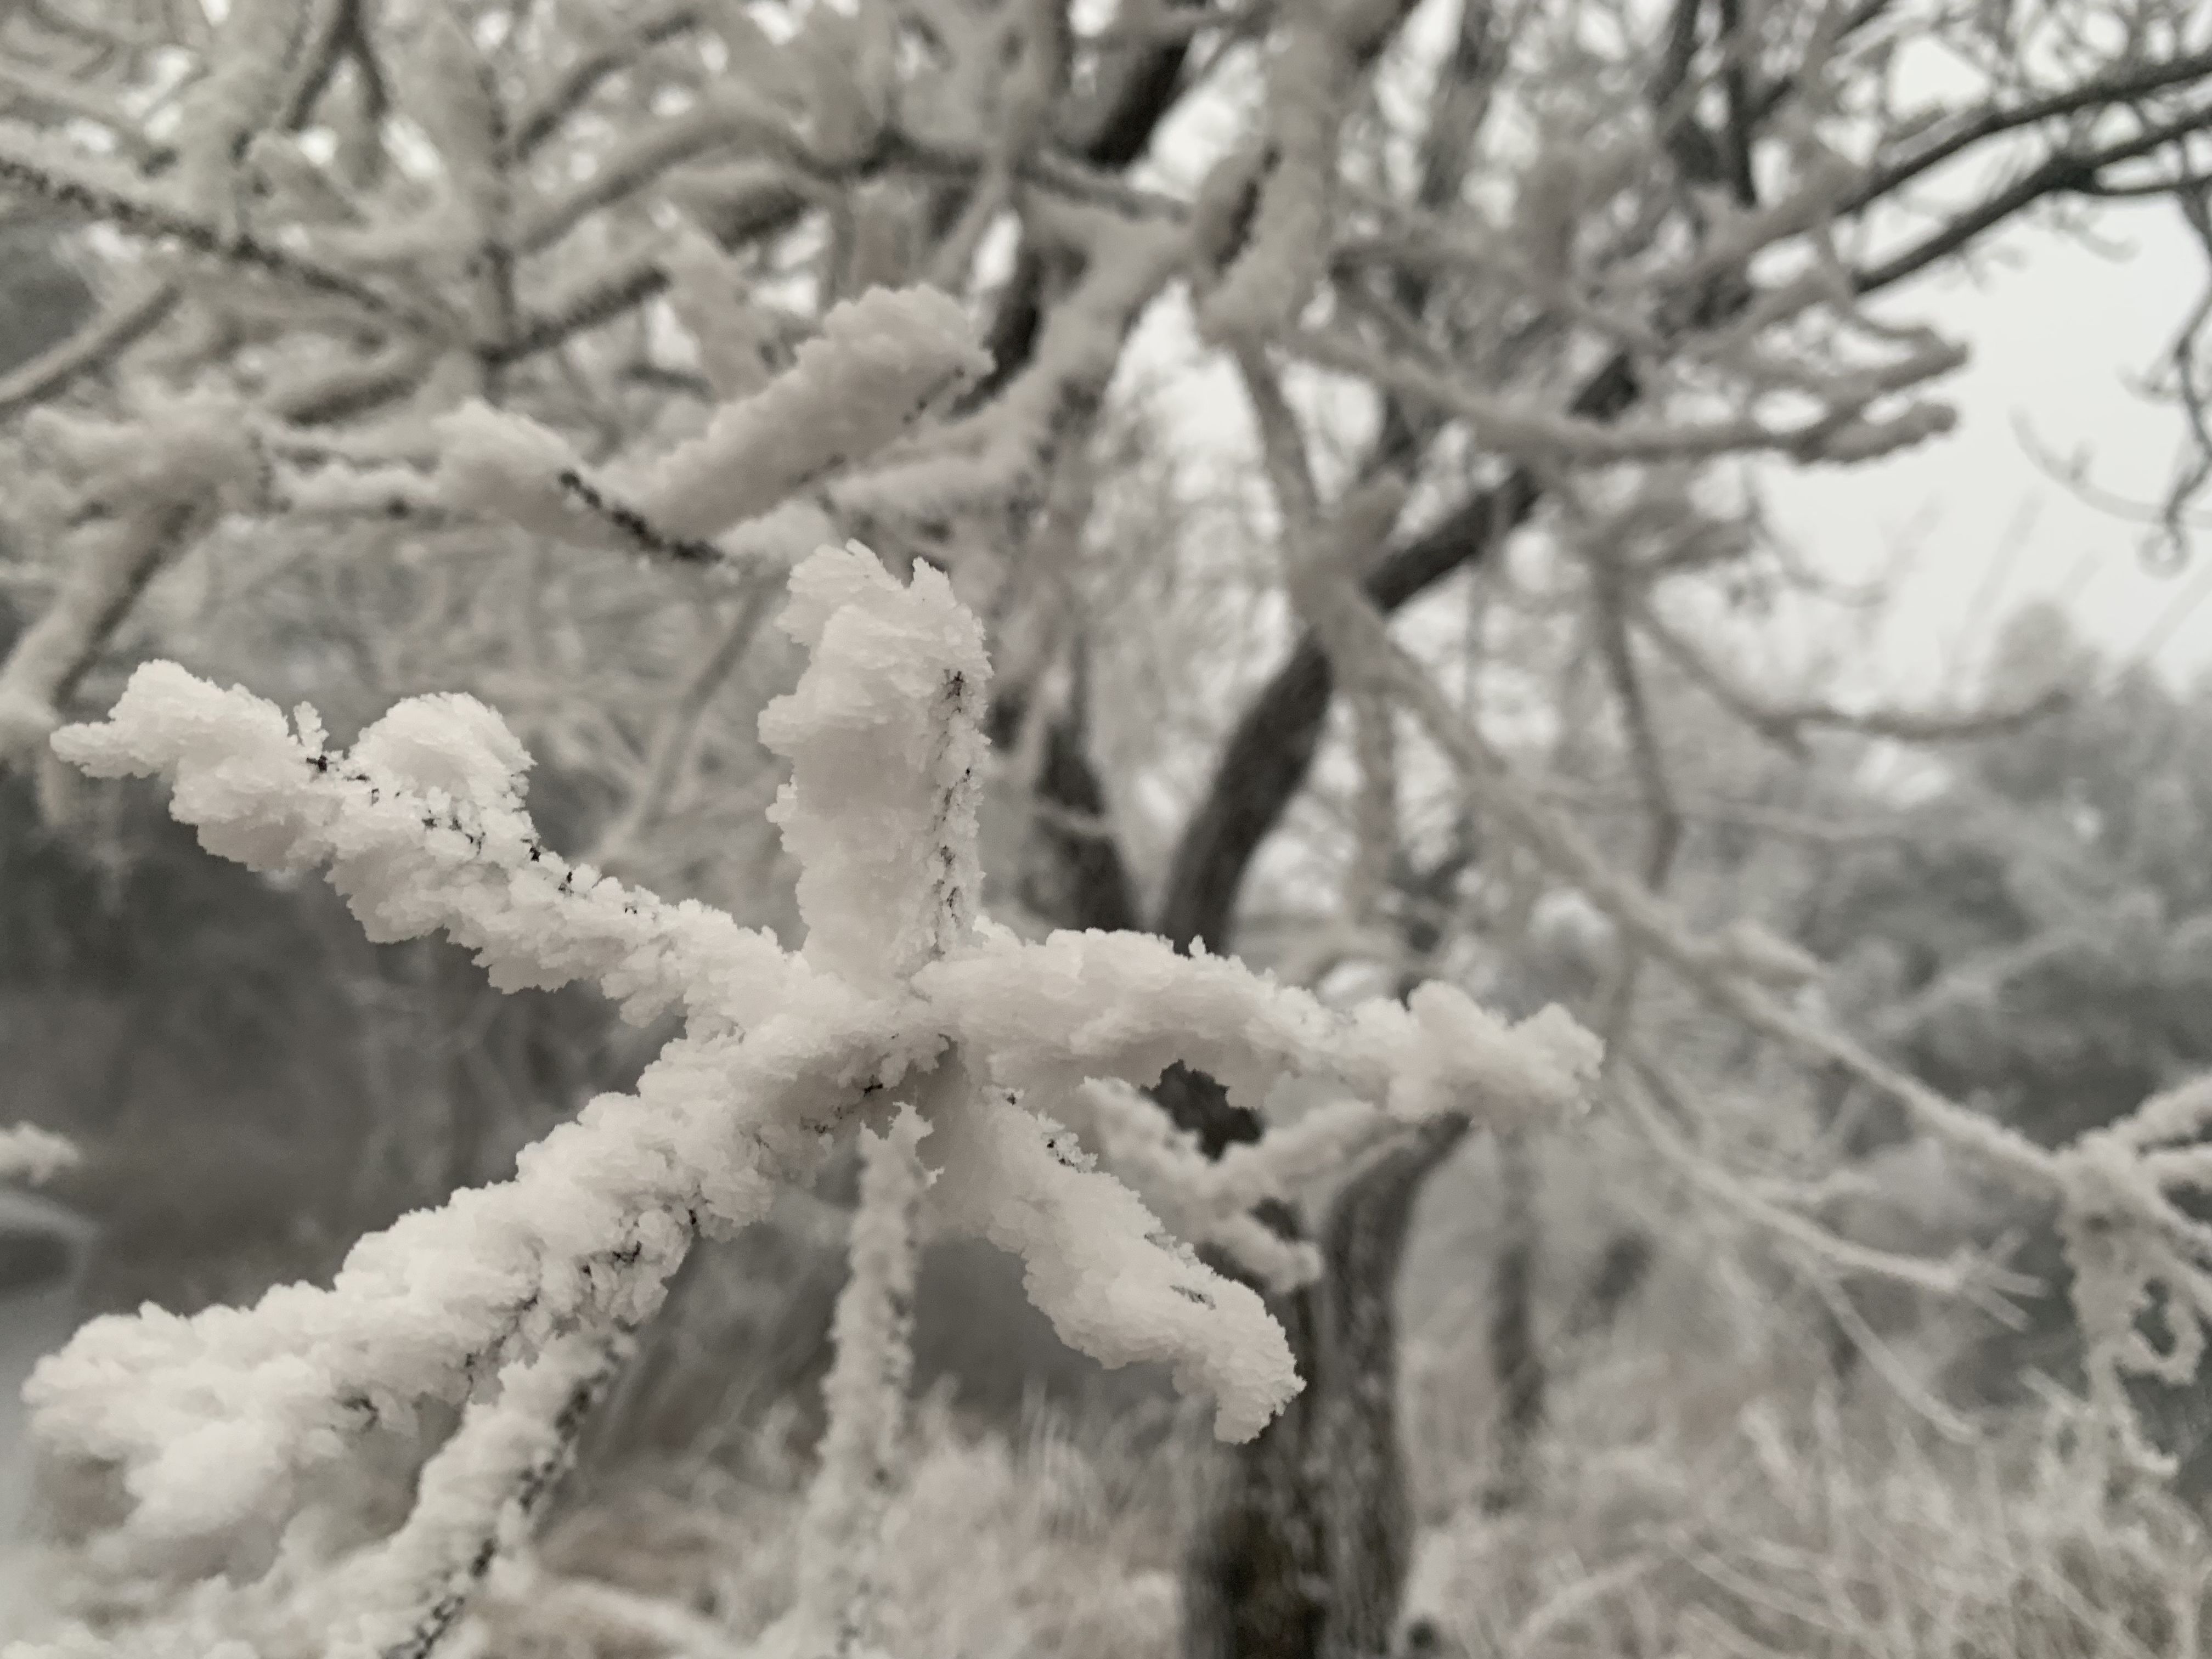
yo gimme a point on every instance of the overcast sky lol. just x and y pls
(2056, 332)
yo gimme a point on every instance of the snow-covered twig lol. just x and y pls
(879, 361)
(865, 1395)
(146, 489)
(1001, 451)
(475, 1497)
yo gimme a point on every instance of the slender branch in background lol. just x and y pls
(46, 168)
(673, 738)
(1645, 921)
(546, 109)
(866, 1396)
(2120, 88)
(119, 325)
(2061, 172)
(2186, 385)
(1786, 726)
(1311, 548)
(1964, 1277)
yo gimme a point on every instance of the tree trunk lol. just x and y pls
(1367, 1510)
(1516, 1361)
(1255, 1572)
(1304, 1552)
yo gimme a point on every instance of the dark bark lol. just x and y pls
(1073, 871)
(1366, 1513)
(1257, 1565)
(1517, 1358)
(1265, 762)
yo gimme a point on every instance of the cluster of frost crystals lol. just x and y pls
(28, 1153)
(889, 875)
(216, 1423)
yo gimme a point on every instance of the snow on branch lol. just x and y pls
(475, 1497)
(865, 1397)
(216, 1423)
(256, 57)
(1322, 50)
(2137, 1254)
(1005, 449)
(1199, 1197)
(141, 490)
(879, 361)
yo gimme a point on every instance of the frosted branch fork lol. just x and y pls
(216, 1422)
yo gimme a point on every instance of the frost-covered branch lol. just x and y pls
(879, 361)
(119, 324)
(47, 166)
(217, 1422)
(145, 489)
(834, 1617)
(474, 1499)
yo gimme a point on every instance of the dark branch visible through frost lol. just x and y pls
(641, 531)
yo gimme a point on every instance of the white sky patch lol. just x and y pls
(1972, 525)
